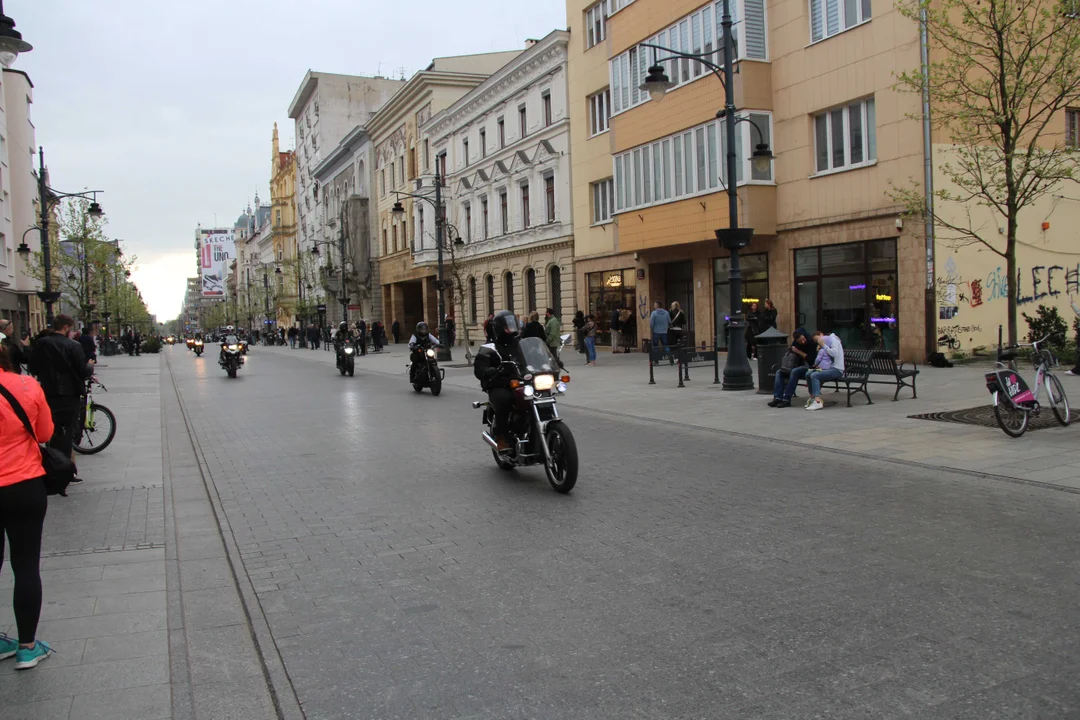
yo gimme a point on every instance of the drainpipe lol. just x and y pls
(928, 184)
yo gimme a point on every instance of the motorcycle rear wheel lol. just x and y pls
(562, 471)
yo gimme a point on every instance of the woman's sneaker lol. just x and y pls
(8, 646)
(26, 658)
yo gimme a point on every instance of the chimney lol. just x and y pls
(529, 42)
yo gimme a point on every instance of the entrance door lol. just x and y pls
(679, 287)
(806, 315)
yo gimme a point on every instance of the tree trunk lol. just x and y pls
(1014, 279)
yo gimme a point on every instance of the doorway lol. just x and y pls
(679, 287)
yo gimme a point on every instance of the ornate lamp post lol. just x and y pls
(737, 373)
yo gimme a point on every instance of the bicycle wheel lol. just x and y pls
(1058, 402)
(1014, 422)
(98, 432)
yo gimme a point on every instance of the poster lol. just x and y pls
(216, 252)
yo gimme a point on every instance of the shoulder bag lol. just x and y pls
(59, 470)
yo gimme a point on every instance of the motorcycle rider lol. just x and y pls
(341, 335)
(420, 341)
(493, 376)
(224, 341)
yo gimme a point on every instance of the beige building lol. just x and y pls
(504, 149)
(403, 163)
(283, 222)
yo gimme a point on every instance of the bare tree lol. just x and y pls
(459, 277)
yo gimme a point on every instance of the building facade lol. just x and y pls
(403, 164)
(283, 232)
(503, 149)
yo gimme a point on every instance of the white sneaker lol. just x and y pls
(1069, 372)
(815, 405)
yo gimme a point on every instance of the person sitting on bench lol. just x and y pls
(828, 365)
(793, 368)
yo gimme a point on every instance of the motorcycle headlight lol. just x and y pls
(529, 392)
(348, 351)
(431, 352)
(544, 382)
(197, 343)
(561, 387)
(233, 348)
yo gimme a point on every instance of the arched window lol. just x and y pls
(530, 290)
(472, 300)
(489, 291)
(508, 291)
(555, 289)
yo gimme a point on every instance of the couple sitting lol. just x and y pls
(819, 360)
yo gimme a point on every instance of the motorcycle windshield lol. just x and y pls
(535, 356)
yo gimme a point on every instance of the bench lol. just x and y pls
(861, 366)
(882, 363)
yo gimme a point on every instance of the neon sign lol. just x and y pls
(857, 287)
(883, 320)
(883, 298)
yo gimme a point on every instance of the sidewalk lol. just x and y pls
(619, 384)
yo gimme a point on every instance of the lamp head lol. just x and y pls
(762, 159)
(11, 42)
(23, 250)
(657, 83)
(398, 208)
(95, 210)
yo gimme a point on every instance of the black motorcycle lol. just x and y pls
(536, 432)
(198, 347)
(346, 357)
(231, 358)
(426, 373)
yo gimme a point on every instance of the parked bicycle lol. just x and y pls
(97, 424)
(1014, 402)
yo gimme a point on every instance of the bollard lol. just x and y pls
(685, 364)
(716, 362)
(682, 365)
(648, 347)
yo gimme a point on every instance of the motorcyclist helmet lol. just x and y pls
(228, 328)
(421, 330)
(343, 326)
(506, 326)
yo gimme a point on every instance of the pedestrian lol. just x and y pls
(138, 343)
(377, 331)
(23, 502)
(292, 337)
(828, 365)
(616, 336)
(87, 340)
(489, 329)
(17, 352)
(588, 331)
(533, 328)
(659, 322)
(362, 334)
(627, 329)
(451, 328)
(552, 331)
(281, 336)
(677, 328)
(579, 338)
(59, 364)
(793, 368)
(768, 315)
(395, 329)
(753, 329)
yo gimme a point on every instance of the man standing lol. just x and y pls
(450, 328)
(395, 330)
(659, 322)
(361, 332)
(616, 336)
(17, 352)
(292, 337)
(88, 342)
(61, 367)
(489, 330)
(552, 329)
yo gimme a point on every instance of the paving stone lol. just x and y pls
(149, 643)
(150, 702)
(55, 709)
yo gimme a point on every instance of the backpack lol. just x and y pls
(790, 361)
(938, 360)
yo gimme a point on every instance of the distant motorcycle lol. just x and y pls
(231, 359)
(346, 358)
(426, 373)
(198, 347)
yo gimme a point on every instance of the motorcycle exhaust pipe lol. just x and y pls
(490, 440)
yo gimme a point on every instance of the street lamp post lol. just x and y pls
(344, 298)
(737, 372)
(440, 227)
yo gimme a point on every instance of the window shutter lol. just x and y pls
(832, 10)
(754, 29)
(1072, 128)
(816, 31)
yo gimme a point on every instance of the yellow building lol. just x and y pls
(283, 224)
(404, 163)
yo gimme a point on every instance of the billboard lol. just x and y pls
(217, 249)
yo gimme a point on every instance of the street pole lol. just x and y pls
(47, 296)
(440, 227)
(344, 299)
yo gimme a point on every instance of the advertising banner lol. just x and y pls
(217, 251)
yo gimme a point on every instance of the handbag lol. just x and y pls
(59, 470)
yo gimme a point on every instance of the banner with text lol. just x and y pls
(215, 254)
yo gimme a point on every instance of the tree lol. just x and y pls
(1001, 74)
(459, 277)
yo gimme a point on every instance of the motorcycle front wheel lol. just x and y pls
(562, 470)
(436, 385)
(342, 369)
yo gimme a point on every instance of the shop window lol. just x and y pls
(755, 288)
(608, 291)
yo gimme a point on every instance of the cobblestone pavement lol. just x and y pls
(691, 574)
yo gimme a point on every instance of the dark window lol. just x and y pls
(530, 290)
(547, 108)
(555, 290)
(508, 291)
(549, 197)
(483, 143)
(505, 214)
(465, 150)
(608, 291)
(484, 218)
(502, 132)
(468, 222)
(523, 121)
(472, 300)
(755, 288)
(525, 205)
(489, 291)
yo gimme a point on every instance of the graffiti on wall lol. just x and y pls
(1033, 284)
(643, 306)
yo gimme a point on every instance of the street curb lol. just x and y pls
(282, 692)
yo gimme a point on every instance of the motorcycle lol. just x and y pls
(231, 359)
(346, 357)
(243, 346)
(536, 433)
(198, 348)
(427, 373)
(190, 342)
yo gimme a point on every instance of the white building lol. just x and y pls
(326, 108)
(345, 177)
(503, 149)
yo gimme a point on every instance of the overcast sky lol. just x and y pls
(169, 107)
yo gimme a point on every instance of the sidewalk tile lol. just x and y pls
(56, 709)
(103, 625)
(134, 570)
(132, 602)
(131, 645)
(225, 654)
(149, 702)
(44, 682)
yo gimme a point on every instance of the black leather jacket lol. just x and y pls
(18, 353)
(486, 366)
(60, 365)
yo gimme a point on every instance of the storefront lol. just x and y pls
(755, 288)
(608, 291)
(851, 290)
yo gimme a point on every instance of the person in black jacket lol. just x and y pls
(768, 315)
(17, 353)
(534, 328)
(494, 379)
(60, 365)
(88, 340)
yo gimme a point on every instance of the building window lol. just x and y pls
(555, 289)
(596, 23)
(440, 167)
(525, 205)
(385, 244)
(508, 291)
(427, 155)
(401, 169)
(603, 199)
(755, 288)
(530, 290)
(489, 294)
(609, 291)
(484, 218)
(599, 111)
(523, 121)
(421, 210)
(504, 212)
(465, 150)
(382, 182)
(393, 181)
(501, 124)
(845, 137)
(830, 17)
(393, 227)
(1072, 128)
(472, 300)
(468, 222)
(412, 162)
(549, 198)
(483, 143)
(546, 98)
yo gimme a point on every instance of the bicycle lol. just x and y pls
(1014, 403)
(97, 424)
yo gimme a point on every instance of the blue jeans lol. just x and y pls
(782, 391)
(590, 349)
(660, 340)
(817, 377)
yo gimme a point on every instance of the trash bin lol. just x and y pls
(771, 346)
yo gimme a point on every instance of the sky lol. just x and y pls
(169, 107)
